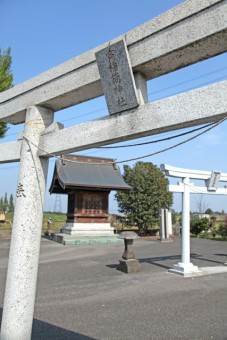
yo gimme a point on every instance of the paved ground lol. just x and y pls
(81, 294)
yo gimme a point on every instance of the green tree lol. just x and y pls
(5, 202)
(209, 211)
(148, 194)
(6, 80)
(200, 225)
(11, 204)
(222, 230)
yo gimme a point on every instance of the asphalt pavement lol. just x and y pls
(82, 295)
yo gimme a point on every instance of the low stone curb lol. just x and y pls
(76, 240)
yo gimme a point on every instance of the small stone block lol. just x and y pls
(129, 266)
(165, 240)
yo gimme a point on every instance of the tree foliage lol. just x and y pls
(6, 80)
(209, 211)
(200, 225)
(222, 230)
(11, 204)
(148, 194)
(6, 205)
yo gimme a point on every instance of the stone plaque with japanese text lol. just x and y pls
(117, 77)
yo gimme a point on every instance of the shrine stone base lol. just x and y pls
(88, 229)
(186, 270)
(129, 266)
(165, 240)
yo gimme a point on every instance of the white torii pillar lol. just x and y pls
(26, 233)
(185, 267)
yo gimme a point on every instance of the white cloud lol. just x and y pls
(212, 138)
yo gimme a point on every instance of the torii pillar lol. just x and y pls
(22, 272)
(185, 267)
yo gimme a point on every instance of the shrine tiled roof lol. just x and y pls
(80, 172)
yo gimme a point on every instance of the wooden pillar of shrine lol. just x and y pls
(87, 206)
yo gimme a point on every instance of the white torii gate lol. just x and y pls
(212, 179)
(191, 32)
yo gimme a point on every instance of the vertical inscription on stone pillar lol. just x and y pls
(117, 77)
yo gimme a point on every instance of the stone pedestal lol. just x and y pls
(129, 266)
(88, 229)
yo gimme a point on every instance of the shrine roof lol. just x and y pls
(80, 172)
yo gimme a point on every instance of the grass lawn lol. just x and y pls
(58, 220)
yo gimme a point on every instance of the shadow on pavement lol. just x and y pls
(44, 331)
(200, 257)
(154, 260)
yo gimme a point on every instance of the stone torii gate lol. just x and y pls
(212, 179)
(190, 32)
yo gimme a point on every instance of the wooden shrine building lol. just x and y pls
(87, 181)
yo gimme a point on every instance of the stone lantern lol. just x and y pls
(129, 264)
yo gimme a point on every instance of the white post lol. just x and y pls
(162, 224)
(185, 239)
(185, 267)
(21, 279)
(166, 211)
(170, 225)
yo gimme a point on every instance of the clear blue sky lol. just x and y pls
(42, 34)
